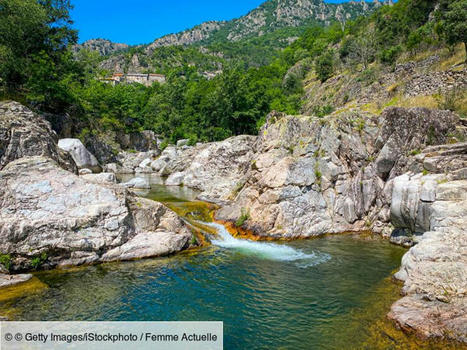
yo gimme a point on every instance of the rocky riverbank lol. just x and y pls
(391, 174)
(52, 217)
(401, 174)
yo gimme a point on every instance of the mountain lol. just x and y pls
(103, 46)
(253, 39)
(267, 18)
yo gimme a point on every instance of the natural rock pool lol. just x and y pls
(328, 293)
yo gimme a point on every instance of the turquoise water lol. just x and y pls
(295, 295)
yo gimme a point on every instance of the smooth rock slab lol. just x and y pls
(148, 244)
(11, 280)
(434, 270)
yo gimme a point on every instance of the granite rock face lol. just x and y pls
(311, 176)
(433, 208)
(62, 219)
(102, 178)
(433, 271)
(24, 133)
(217, 169)
(102, 46)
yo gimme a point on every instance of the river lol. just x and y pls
(327, 293)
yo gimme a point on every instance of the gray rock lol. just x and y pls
(101, 178)
(149, 244)
(111, 168)
(129, 162)
(82, 157)
(138, 182)
(176, 179)
(85, 171)
(24, 134)
(344, 175)
(145, 163)
(11, 280)
(45, 209)
(433, 271)
(181, 143)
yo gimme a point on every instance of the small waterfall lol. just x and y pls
(266, 250)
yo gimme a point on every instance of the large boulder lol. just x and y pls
(102, 178)
(24, 133)
(138, 182)
(143, 141)
(58, 218)
(82, 157)
(102, 146)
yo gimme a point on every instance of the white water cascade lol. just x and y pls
(266, 250)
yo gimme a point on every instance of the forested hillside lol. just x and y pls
(38, 68)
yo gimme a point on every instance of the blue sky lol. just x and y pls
(142, 21)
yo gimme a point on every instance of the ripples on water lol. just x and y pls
(269, 295)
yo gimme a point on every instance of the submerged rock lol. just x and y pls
(58, 218)
(82, 157)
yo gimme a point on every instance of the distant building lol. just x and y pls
(144, 79)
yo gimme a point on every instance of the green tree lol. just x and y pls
(452, 24)
(324, 66)
(34, 41)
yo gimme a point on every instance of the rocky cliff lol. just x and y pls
(269, 16)
(24, 133)
(311, 176)
(293, 13)
(199, 33)
(102, 46)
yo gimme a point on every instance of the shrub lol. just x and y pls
(5, 260)
(38, 261)
(245, 215)
(163, 145)
(322, 111)
(390, 55)
(324, 66)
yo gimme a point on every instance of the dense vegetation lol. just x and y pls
(37, 68)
